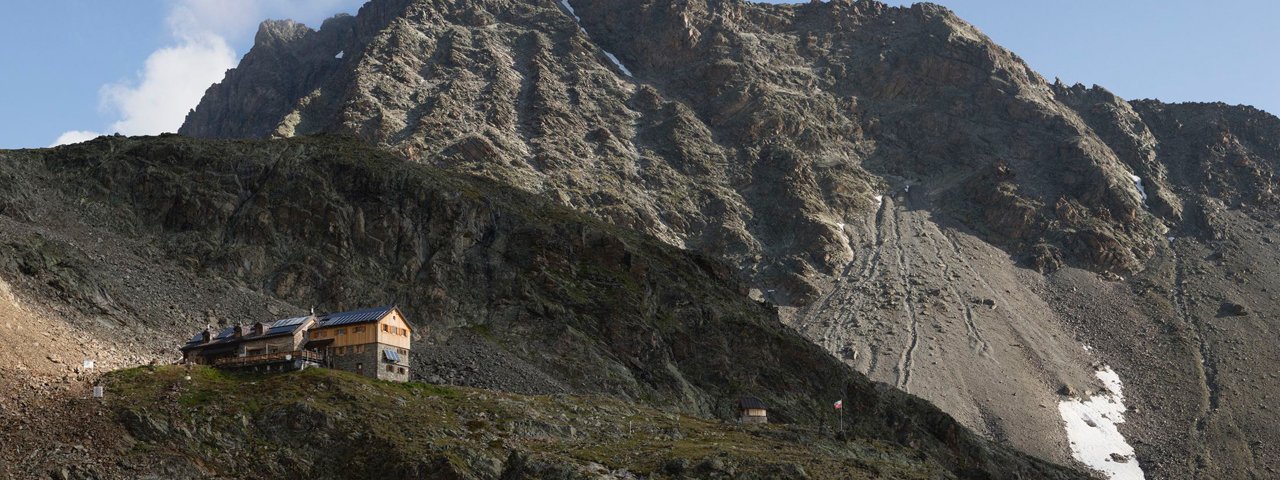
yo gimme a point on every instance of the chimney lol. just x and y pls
(239, 331)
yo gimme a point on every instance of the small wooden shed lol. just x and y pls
(752, 410)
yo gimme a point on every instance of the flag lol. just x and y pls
(839, 404)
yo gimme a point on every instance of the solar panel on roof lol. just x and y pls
(288, 322)
(354, 316)
(287, 325)
(226, 333)
(391, 355)
(281, 330)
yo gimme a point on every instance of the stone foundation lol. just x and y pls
(372, 364)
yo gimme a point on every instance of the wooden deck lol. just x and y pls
(270, 358)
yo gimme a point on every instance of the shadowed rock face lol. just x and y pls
(122, 226)
(913, 196)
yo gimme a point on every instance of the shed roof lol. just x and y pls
(318, 343)
(748, 402)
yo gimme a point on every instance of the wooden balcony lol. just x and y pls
(276, 357)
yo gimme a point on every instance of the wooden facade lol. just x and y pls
(391, 330)
(752, 410)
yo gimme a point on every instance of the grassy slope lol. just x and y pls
(318, 422)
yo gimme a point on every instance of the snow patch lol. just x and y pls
(612, 58)
(1137, 182)
(879, 200)
(1091, 429)
(1088, 348)
(571, 10)
(615, 61)
(340, 54)
(1171, 239)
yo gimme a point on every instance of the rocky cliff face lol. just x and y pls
(748, 131)
(915, 198)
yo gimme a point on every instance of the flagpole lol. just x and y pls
(841, 416)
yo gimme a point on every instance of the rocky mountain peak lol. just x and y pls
(274, 33)
(807, 102)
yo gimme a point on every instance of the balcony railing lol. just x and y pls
(269, 358)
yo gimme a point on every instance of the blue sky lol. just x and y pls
(136, 66)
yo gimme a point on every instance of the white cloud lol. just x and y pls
(75, 136)
(171, 83)
(175, 77)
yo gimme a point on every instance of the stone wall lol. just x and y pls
(370, 363)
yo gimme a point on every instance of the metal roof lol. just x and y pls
(751, 403)
(275, 328)
(291, 325)
(223, 336)
(355, 316)
(226, 333)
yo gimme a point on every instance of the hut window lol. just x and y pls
(315, 334)
(359, 329)
(400, 370)
(386, 328)
(359, 367)
(391, 369)
(342, 331)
